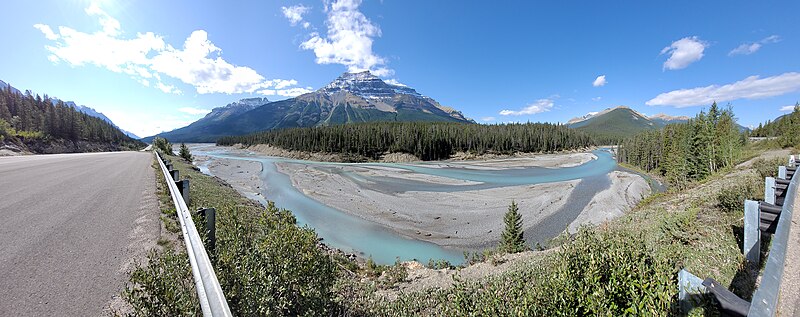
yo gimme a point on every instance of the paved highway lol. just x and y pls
(71, 226)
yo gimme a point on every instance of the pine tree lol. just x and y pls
(184, 153)
(512, 238)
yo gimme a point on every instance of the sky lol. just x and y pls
(153, 65)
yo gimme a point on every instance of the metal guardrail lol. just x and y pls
(772, 216)
(209, 292)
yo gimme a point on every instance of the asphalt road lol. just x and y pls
(71, 226)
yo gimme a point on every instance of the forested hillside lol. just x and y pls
(33, 123)
(786, 129)
(425, 140)
(690, 151)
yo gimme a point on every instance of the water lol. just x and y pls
(353, 234)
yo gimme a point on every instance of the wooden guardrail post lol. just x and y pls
(175, 174)
(769, 190)
(752, 234)
(782, 172)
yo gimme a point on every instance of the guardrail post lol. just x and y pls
(210, 216)
(791, 160)
(690, 287)
(175, 174)
(752, 234)
(183, 187)
(769, 190)
(782, 172)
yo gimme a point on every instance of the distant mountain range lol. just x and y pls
(623, 121)
(87, 110)
(351, 98)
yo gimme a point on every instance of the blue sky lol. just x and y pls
(158, 65)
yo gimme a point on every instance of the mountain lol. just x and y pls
(94, 113)
(30, 124)
(621, 121)
(613, 122)
(81, 108)
(663, 119)
(351, 98)
(207, 129)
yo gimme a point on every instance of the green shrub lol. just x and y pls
(163, 287)
(731, 198)
(163, 145)
(768, 167)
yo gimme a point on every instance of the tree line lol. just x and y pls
(28, 116)
(425, 140)
(786, 129)
(685, 152)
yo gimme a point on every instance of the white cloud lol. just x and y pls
(349, 40)
(599, 81)
(194, 111)
(787, 108)
(291, 92)
(146, 57)
(295, 14)
(684, 52)
(598, 98)
(541, 105)
(488, 119)
(751, 87)
(146, 123)
(48, 32)
(393, 81)
(750, 48)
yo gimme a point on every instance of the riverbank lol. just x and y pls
(268, 150)
(468, 219)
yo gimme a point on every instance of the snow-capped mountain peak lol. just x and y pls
(366, 85)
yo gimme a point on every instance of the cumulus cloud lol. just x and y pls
(488, 119)
(750, 48)
(599, 81)
(541, 105)
(348, 41)
(48, 32)
(147, 57)
(684, 52)
(290, 92)
(194, 111)
(295, 14)
(751, 87)
(787, 108)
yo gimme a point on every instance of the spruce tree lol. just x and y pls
(184, 152)
(512, 238)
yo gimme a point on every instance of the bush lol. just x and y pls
(163, 145)
(768, 168)
(163, 287)
(731, 198)
(600, 273)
